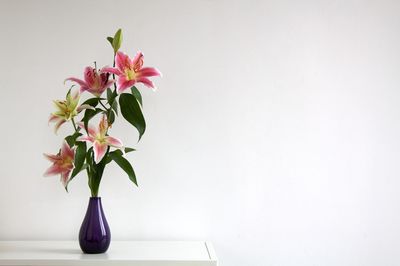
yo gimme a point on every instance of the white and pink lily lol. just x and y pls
(98, 137)
(67, 109)
(63, 163)
(94, 82)
(130, 71)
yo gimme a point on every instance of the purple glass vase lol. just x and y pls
(94, 236)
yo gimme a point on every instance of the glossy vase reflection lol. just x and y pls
(94, 236)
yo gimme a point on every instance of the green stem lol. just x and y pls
(94, 188)
(89, 180)
(103, 105)
(73, 123)
(113, 75)
(107, 110)
(97, 174)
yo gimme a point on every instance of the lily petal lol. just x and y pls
(85, 106)
(65, 178)
(58, 125)
(99, 151)
(149, 72)
(83, 89)
(60, 105)
(89, 75)
(125, 84)
(85, 138)
(146, 82)
(73, 99)
(52, 158)
(54, 118)
(75, 96)
(79, 81)
(122, 61)
(111, 70)
(114, 142)
(53, 170)
(66, 150)
(91, 130)
(137, 61)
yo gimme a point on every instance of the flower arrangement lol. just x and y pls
(91, 148)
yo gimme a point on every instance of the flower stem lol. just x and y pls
(73, 123)
(113, 75)
(103, 106)
(107, 110)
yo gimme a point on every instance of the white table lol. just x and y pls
(120, 253)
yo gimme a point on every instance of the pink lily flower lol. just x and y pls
(130, 71)
(67, 109)
(94, 82)
(63, 163)
(98, 137)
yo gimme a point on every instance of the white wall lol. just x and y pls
(274, 132)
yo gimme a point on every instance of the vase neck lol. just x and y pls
(95, 201)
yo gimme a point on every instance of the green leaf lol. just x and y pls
(89, 160)
(138, 96)
(131, 111)
(111, 100)
(111, 117)
(92, 101)
(71, 139)
(110, 40)
(80, 155)
(110, 97)
(125, 165)
(114, 106)
(89, 114)
(117, 40)
(127, 149)
(109, 159)
(96, 175)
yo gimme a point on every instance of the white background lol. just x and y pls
(274, 132)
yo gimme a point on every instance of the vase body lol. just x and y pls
(94, 235)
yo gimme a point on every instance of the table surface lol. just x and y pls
(120, 253)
